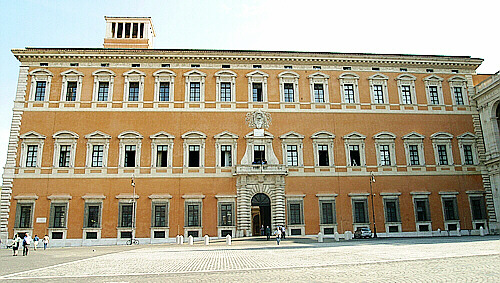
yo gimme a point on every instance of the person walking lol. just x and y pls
(26, 244)
(277, 233)
(283, 232)
(35, 242)
(268, 233)
(262, 230)
(15, 244)
(45, 241)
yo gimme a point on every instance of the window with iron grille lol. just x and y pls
(133, 91)
(360, 211)
(194, 91)
(288, 92)
(450, 209)
(292, 155)
(160, 217)
(459, 98)
(193, 215)
(385, 156)
(71, 91)
(349, 93)
(257, 92)
(378, 94)
(225, 155)
(392, 210)
(319, 93)
(194, 156)
(327, 212)
(58, 215)
(442, 154)
(468, 158)
(354, 155)
(414, 158)
(433, 94)
(130, 152)
(422, 209)
(126, 214)
(31, 155)
(225, 91)
(164, 92)
(405, 94)
(259, 153)
(97, 155)
(64, 155)
(323, 158)
(161, 156)
(478, 208)
(102, 94)
(24, 212)
(226, 214)
(92, 215)
(295, 214)
(40, 91)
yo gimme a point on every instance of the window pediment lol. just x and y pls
(134, 73)
(457, 79)
(267, 135)
(354, 136)
(194, 135)
(65, 135)
(406, 77)
(319, 75)
(467, 136)
(162, 135)
(384, 136)
(441, 136)
(41, 72)
(97, 135)
(413, 136)
(130, 135)
(347, 76)
(257, 74)
(103, 72)
(72, 72)
(323, 135)
(291, 135)
(288, 74)
(378, 77)
(226, 135)
(433, 78)
(164, 72)
(225, 73)
(195, 73)
(32, 135)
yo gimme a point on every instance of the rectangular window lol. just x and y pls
(257, 92)
(360, 211)
(385, 156)
(92, 211)
(97, 155)
(133, 91)
(323, 158)
(349, 93)
(450, 209)
(23, 219)
(194, 92)
(478, 208)
(225, 91)
(161, 156)
(71, 91)
(459, 98)
(226, 214)
(433, 94)
(378, 94)
(468, 159)
(160, 217)
(40, 91)
(193, 215)
(405, 94)
(292, 158)
(58, 216)
(442, 154)
(102, 94)
(295, 214)
(126, 215)
(129, 156)
(194, 156)
(392, 210)
(64, 155)
(31, 155)
(422, 209)
(164, 92)
(327, 212)
(319, 93)
(288, 92)
(259, 154)
(225, 156)
(414, 158)
(354, 155)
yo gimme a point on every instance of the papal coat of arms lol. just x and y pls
(258, 119)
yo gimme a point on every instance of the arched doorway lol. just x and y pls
(261, 212)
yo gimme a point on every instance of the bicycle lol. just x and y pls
(132, 242)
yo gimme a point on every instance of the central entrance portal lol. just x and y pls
(261, 213)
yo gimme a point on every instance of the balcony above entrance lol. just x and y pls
(264, 169)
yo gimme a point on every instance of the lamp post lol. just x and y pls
(132, 183)
(372, 180)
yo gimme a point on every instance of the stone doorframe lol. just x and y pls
(248, 186)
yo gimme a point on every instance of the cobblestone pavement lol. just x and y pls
(296, 260)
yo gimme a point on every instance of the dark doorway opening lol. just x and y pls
(261, 213)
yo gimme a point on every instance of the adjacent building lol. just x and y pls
(131, 141)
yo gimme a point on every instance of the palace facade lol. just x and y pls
(131, 141)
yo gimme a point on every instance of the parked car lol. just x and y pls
(362, 233)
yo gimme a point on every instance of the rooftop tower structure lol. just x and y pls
(129, 32)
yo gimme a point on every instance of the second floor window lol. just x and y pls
(259, 154)
(433, 94)
(64, 155)
(161, 157)
(225, 155)
(405, 94)
(319, 94)
(459, 98)
(31, 155)
(225, 91)
(349, 93)
(194, 92)
(468, 159)
(442, 155)
(257, 92)
(97, 155)
(133, 91)
(40, 91)
(385, 156)
(164, 94)
(378, 94)
(102, 94)
(288, 92)
(323, 159)
(414, 158)
(354, 155)
(194, 156)
(292, 155)
(130, 156)
(71, 91)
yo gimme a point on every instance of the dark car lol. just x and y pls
(362, 233)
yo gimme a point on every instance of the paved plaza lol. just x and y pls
(450, 259)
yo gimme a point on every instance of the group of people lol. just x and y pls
(279, 233)
(26, 241)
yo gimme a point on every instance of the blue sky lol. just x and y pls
(410, 27)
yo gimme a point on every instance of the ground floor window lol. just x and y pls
(422, 210)
(160, 215)
(24, 215)
(478, 208)
(392, 210)
(295, 213)
(58, 215)
(327, 212)
(360, 211)
(193, 214)
(126, 215)
(92, 215)
(450, 208)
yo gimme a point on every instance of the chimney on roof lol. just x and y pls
(129, 32)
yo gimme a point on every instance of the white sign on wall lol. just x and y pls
(41, 220)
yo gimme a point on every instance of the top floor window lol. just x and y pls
(288, 92)
(433, 87)
(319, 87)
(433, 95)
(164, 85)
(257, 92)
(349, 93)
(40, 91)
(349, 87)
(134, 85)
(319, 94)
(71, 91)
(459, 97)
(406, 95)
(194, 91)
(225, 91)
(103, 85)
(289, 82)
(458, 88)
(103, 91)
(71, 85)
(195, 86)
(40, 84)
(406, 88)
(378, 88)
(164, 94)
(133, 94)
(225, 81)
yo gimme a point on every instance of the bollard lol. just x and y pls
(337, 236)
(191, 241)
(228, 240)
(320, 237)
(458, 232)
(181, 239)
(346, 235)
(481, 231)
(207, 240)
(177, 239)
(439, 232)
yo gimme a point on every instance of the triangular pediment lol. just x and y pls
(195, 73)
(413, 136)
(467, 136)
(291, 135)
(130, 135)
(162, 135)
(71, 72)
(323, 135)
(226, 135)
(457, 79)
(354, 136)
(194, 135)
(97, 135)
(433, 78)
(267, 135)
(442, 135)
(32, 135)
(257, 74)
(65, 135)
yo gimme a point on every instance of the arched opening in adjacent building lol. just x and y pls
(497, 116)
(261, 213)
